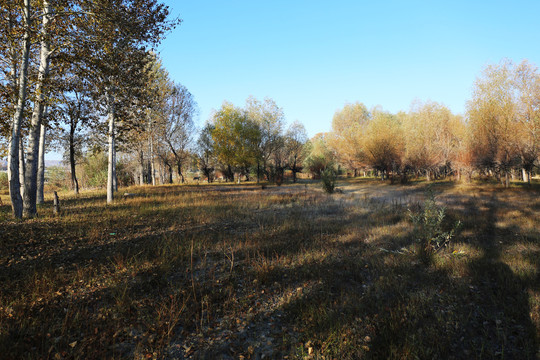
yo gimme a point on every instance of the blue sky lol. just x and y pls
(312, 57)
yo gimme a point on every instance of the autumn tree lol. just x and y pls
(236, 138)
(318, 155)
(383, 143)
(205, 153)
(295, 141)
(30, 179)
(77, 113)
(19, 81)
(430, 138)
(270, 119)
(118, 35)
(492, 119)
(180, 127)
(527, 86)
(348, 128)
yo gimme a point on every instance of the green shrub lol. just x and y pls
(429, 227)
(56, 177)
(95, 170)
(4, 183)
(328, 179)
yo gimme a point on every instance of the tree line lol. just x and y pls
(498, 137)
(82, 76)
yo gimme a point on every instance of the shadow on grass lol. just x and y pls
(311, 273)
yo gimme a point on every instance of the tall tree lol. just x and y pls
(20, 103)
(295, 141)
(319, 156)
(30, 178)
(348, 127)
(430, 136)
(492, 114)
(236, 138)
(205, 153)
(270, 119)
(180, 127)
(384, 143)
(527, 84)
(76, 112)
(118, 37)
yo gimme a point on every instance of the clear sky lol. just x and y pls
(312, 57)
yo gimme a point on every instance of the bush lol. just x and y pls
(95, 170)
(328, 179)
(4, 183)
(124, 176)
(56, 178)
(428, 227)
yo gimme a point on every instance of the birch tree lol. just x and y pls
(20, 87)
(115, 50)
(30, 178)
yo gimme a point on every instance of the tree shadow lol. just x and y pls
(344, 284)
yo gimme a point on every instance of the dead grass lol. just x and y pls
(238, 271)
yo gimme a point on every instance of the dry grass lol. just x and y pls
(209, 271)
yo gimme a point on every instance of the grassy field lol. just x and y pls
(241, 272)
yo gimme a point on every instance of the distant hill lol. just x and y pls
(49, 163)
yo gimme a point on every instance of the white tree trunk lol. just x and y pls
(30, 178)
(152, 163)
(111, 165)
(141, 168)
(13, 153)
(526, 176)
(22, 167)
(41, 165)
(115, 178)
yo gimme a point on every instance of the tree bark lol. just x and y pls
(111, 164)
(30, 178)
(294, 171)
(22, 168)
(13, 154)
(141, 168)
(74, 182)
(179, 169)
(41, 166)
(230, 174)
(170, 169)
(56, 204)
(152, 164)
(115, 176)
